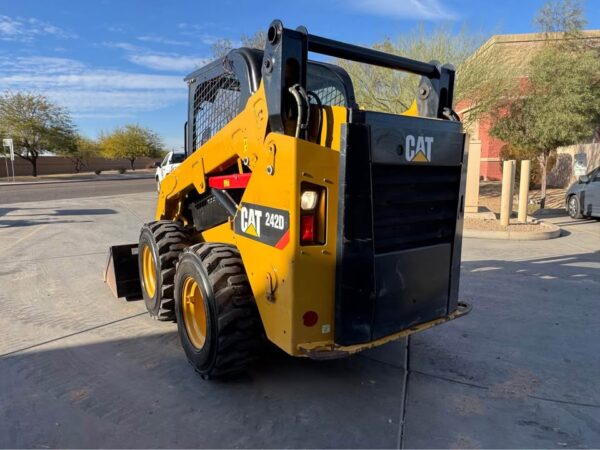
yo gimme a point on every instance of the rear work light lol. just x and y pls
(308, 200)
(313, 200)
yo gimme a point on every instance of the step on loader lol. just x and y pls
(297, 215)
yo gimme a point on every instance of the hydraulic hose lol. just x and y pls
(303, 110)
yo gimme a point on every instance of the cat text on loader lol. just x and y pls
(298, 216)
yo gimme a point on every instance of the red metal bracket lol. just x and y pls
(233, 181)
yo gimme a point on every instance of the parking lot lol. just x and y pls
(79, 368)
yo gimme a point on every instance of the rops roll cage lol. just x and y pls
(285, 60)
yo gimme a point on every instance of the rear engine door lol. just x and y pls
(400, 224)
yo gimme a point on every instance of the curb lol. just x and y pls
(552, 232)
(26, 183)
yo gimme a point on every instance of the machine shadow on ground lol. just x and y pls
(48, 216)
(127, 392)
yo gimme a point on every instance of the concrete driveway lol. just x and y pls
(522, 370)
(81, 369)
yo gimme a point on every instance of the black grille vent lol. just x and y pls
(413, 206)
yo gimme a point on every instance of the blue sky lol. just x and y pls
(113, 62)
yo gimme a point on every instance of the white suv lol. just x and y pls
(168, 165)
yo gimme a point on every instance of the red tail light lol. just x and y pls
(313, 210)
(307, 228)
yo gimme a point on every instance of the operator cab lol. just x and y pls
(219, 91)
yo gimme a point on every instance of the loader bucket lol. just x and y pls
(121, 272)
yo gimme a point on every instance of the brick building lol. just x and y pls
(514, 50)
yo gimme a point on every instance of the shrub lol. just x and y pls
(507, 153)
(97, 171)
(122, 170)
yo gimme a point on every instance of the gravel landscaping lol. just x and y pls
(494, 225)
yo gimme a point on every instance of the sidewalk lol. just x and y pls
(78, 177)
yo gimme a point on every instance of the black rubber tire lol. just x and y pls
(574, 207)
(166, 240)
(233, 328)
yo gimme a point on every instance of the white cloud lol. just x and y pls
(114, 102)
(128, 47)
(208, 39)
(88, 91)
(196, 26)
(38, 64)
(162, 40)
(163, 61)
(100, 116)
(405, 9)
(9, 26)
(175, 63)
(41, 72)
(101, 79)
(198, 32)
(25, 29)
(116, 29)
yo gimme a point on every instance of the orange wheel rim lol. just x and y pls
(149, 271)
(194, 312)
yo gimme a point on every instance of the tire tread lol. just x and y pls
(238, 321)
(171, 239)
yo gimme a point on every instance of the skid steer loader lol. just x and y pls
(299, 216)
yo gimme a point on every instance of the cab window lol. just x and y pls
(326, 85)
(177, 158)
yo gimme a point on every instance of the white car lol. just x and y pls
(168, 165)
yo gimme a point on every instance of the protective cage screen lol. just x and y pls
(216, 103)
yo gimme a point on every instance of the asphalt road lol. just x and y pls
(23, 193)
(79, 368)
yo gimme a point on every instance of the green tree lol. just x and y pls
(256, 40)
(559, 102)
(480, 76)
(561, 16)
(82, 150)
(131, 142)
(223, 46)
(36, 125)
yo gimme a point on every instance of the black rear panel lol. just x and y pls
(413, 206)
(399, 225)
